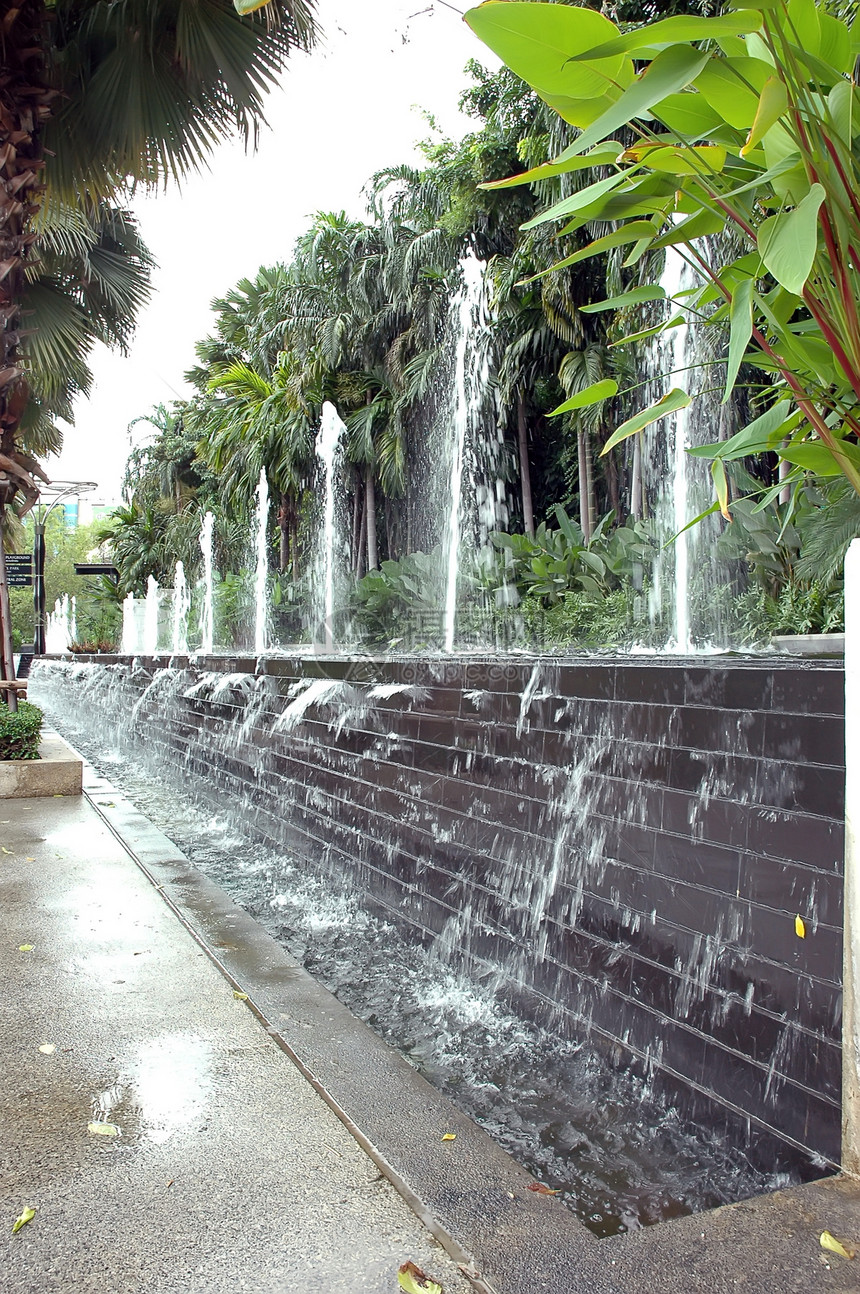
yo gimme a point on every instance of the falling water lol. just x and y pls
(262, 571)
(57, 627)
(181, 608)
(465, 532)
(207, 619)
(688, 573)
(150, 618)
(676, 277)
(327, 446)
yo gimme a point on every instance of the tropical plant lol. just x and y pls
(560, 561)
(747, 121)
(96, 98)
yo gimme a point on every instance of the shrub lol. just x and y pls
(20, 732)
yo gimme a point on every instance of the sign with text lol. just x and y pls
(19, 570)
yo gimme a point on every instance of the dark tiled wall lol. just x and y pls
(631, 841)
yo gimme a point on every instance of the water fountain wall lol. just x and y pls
(648, 854)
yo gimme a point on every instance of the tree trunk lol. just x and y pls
(294, 546)
(370, 495)
(525, 470)
(284, 525)
(7, 662)
(362, 535)
(586, 486)
(357, 502)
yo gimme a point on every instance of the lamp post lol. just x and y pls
(49, 497)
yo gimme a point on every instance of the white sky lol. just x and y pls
(346, 110)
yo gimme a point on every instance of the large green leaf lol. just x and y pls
(817, 458)
(586, 197)
(762, 434)
(670, 72)
(593, 394)
(671, 402)
(741, 317)
(773, 102)
(788, 241)
(539, 41)
(672, 31)
(603, 155)
(629, 233)
(635, 297)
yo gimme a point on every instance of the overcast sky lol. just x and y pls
(346, 110)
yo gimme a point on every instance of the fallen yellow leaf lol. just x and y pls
(827, 1241)
(103, 1129)
(23, 1219)
(5, 850)
(799, 927)
(26, 948)
(449, 1136)
(411, 1278)
(240, 997)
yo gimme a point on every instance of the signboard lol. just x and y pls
(19, 570)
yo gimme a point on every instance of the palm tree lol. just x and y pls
(96, 97)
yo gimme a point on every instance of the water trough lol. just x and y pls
(643, 854)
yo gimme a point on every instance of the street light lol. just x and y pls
(49, 497)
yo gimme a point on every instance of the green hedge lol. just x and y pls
(20, 732)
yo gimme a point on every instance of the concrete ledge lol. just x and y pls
(58, 771)
(810, 644)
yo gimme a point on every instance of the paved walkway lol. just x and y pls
(229, 1172)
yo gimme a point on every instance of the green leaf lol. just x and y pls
(698, 225)
(635, 297)
(718, 471)
(629, 233)
(812, 456)
(671, 402)
(762, 434)
(788, 241)
(772, 104)
(588, 396)
(539, 41)
(677, 159)
(741, 325)
(577, 201)
(604, 154)
(675, 30)
(22, 1220)
(670, 72)
(732, 86)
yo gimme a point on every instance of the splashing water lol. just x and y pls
(150, 618)
(261, 641)
(181, 608)
(327, 447)
(471, 370)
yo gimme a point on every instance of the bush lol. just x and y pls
(20, 732)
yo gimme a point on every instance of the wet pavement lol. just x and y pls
(173, 1136)
(228, 1171)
